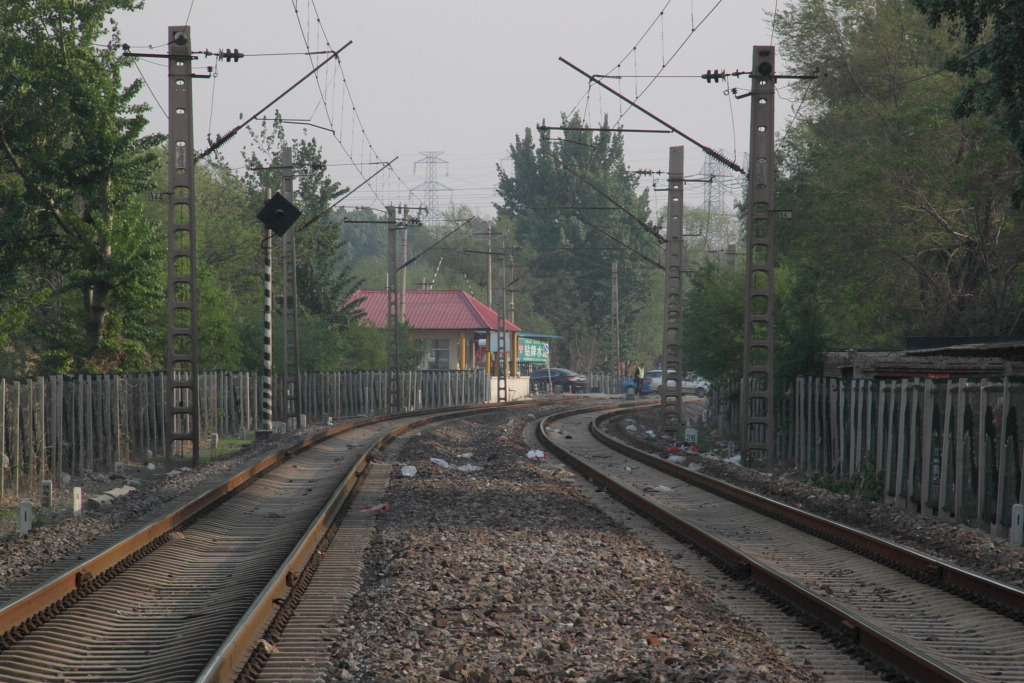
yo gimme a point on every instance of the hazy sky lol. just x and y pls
(460, 77)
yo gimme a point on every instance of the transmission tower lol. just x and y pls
(430, 187)
(715, 191)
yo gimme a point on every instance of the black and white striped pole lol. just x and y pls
(267, 383)
(277, 215)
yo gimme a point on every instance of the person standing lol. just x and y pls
(640, 379)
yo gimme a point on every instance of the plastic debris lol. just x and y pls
(660, 488)
(677, 459)
(465, 455)
(377, 508)
(536, 454)
(408, 471)
(650, 433)
(441, 463)
(469, 468)
(630, 428)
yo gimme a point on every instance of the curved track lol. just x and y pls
(191, 596)
(895, 606)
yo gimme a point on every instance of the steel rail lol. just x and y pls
(237, 647)
(24, 614)
(983, 589)
(847, 625)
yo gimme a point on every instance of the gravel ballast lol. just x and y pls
(508, 573)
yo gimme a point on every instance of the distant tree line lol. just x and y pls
(901, 167)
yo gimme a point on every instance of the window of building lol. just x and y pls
(438, 356)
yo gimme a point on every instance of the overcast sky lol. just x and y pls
(462, 78)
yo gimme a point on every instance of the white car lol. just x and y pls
(692, 384)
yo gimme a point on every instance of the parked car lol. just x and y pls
(692, 384)
(557, 381)
(651, 383)
(654, 380)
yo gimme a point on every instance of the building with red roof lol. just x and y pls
(460, 331)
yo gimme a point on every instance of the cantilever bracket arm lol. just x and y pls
(221, 139)
(601, 192)
(707, 150)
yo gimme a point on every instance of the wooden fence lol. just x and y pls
(949, 448)
(61, 424)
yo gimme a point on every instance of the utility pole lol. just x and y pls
(757, 400)
(405, 259)
(182, 397)
(394, 357)
(672, 339)
(502, 346)
(267, 412)
(490, 235)
(615, 315)
(290, 306)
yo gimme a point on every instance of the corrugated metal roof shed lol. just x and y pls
(433, 309)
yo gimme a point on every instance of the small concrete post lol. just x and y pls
(214, 438)
(46, 493)
(1017, 525)
(25, 517)
(119, 468)
(76, 501)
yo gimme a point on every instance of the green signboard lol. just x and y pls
(533, 351)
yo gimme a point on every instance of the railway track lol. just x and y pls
(198, 594)
(900, 611)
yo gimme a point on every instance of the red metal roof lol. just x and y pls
(433, 309)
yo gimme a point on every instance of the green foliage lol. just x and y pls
(324, 281)
(992, 33)
(74, 164)
(902, 219)
(566, 255)
(866, 484)
(713, 322)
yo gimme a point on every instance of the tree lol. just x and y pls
(79, 261)
(566, 253)
(993, 42)
(325, 282)
(902, 223)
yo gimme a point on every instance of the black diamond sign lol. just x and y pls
(278, 214)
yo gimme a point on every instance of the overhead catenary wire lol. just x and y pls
(346, 90)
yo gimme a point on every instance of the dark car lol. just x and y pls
(558, 381)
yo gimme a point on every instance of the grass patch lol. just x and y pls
(867, 484)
